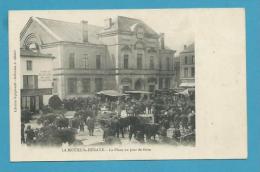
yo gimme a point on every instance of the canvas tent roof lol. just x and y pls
(186, 84)
(112, 93)
(138, 92)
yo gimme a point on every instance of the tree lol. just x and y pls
(53, 136)
(47, 119)
(55, 102)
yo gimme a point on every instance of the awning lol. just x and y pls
(138, 92)
(112, 93)
(191, 89)
(187, 84)
(36, 92)
(185, 92)
(69, 114)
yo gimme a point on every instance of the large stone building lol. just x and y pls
(124, 54)
(187, 66)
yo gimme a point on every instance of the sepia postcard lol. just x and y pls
(146, 84)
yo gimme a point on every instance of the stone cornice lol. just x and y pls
(53, 44)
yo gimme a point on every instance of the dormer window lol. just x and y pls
(34, 47)
(31, 42)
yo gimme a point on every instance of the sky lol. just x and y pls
(175, 23)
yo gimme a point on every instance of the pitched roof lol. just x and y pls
(126, 24)
(71, 32)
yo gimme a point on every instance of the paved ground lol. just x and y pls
(87, 139)
(97, 138)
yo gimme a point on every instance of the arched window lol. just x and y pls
(168, 63)
(151, 62)
(139, 61)
(186, 60)
(31, 42)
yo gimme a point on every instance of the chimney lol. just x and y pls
(185, 46)
(84, 25)
(162, 40)
(108, 23)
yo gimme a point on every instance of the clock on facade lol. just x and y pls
(140, 33)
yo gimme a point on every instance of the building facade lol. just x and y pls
(124, 54)
(36, 79)
(177, 80)
(187, 66)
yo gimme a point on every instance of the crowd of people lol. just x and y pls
(167, 115)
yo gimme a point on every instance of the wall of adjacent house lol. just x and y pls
(55, 51)
(42, 67)
(85, 67)
(189, 65)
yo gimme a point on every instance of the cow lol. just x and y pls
(121, 125)
(140, 127)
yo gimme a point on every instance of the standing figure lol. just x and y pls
(22, 133)
(91, 125)
(149, 107)
(176, 134)
(81, 126)
(29, 135)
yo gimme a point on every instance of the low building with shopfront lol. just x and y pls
(36, 78)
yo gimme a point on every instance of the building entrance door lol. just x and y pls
(32, 103)
(151, 88)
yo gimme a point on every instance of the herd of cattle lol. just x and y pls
(144, 130)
